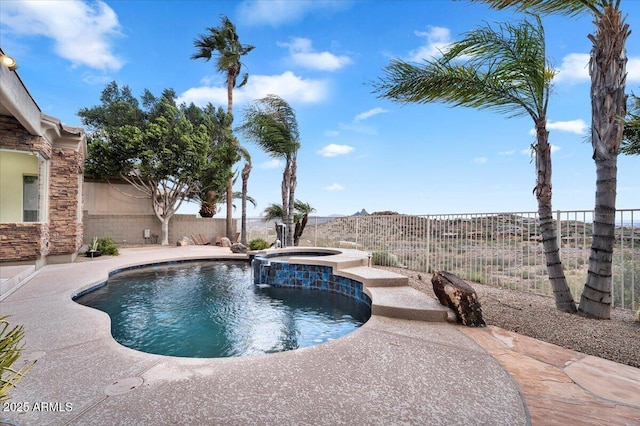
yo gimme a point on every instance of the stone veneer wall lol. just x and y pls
(14, 136)
(130, 228)
(64, 227)
(317, 277)
(23, 241)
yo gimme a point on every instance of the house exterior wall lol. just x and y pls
(59, 235)
(13, 166)
(65, 230)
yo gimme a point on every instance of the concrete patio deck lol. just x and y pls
(389, 371)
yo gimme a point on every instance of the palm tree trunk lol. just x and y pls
(245, 178)
(230, 230)
(608, 109)
(285, 196)
(561, 291)
(292, 198)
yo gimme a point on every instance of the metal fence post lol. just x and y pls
(559, 230)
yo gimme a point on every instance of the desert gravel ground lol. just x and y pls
(533, 315)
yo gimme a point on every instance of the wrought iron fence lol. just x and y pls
(499, 249)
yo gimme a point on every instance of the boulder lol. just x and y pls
(238, 248)
(225, 242)
(184, 241)
(455, 293)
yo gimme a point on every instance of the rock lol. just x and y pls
(457, 294)
(225, 242)
(238, 248)
(83, 249)
(184, 241)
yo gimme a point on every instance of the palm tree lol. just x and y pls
(301, 216)
(506, 71)
(607, 68)
(303, 210)
(246, 170)
(223, 43)
(271, 123)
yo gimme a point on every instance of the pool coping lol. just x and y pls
(388, 370)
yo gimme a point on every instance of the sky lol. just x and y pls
(322, 57)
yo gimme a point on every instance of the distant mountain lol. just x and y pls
(362, 212)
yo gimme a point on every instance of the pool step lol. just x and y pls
(374, 277)
(405, 303)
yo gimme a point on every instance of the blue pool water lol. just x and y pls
(212, 309)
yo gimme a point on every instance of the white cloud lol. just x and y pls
(271, 164)
(480, 160)
(579, 127)
(333, 150)
(633, 70)
(369, 114)
(510, 152)
(81, 31)
(287, 85)
(277, 12)
(554, 148)
(575, 69)
(302, 54)
(334, 187)
(437, 40)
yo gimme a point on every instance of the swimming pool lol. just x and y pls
(211, 309)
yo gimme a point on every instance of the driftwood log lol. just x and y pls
(457, 294)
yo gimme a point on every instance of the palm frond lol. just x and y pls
(546, 7)
(502, 69)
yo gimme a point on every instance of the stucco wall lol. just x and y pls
(13, 166)
(129, 229)
(104, 198)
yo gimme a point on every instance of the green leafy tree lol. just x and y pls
(162, 156)
(607, 68)
(631, 135)
(222, 154)
(223, 44)
(271, 123)
(506, 70)
(300, 217)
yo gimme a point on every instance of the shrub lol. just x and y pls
(10, 350)
(107, 246)
(258, 244)
(382, 258)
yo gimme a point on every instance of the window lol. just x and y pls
(30, 201)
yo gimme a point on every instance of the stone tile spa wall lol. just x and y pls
(316, 277)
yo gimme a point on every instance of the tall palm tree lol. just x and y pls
(301, 216)
(271, 123)
(246, 171)
(505, 70)
(607, 68)
(223, 43)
